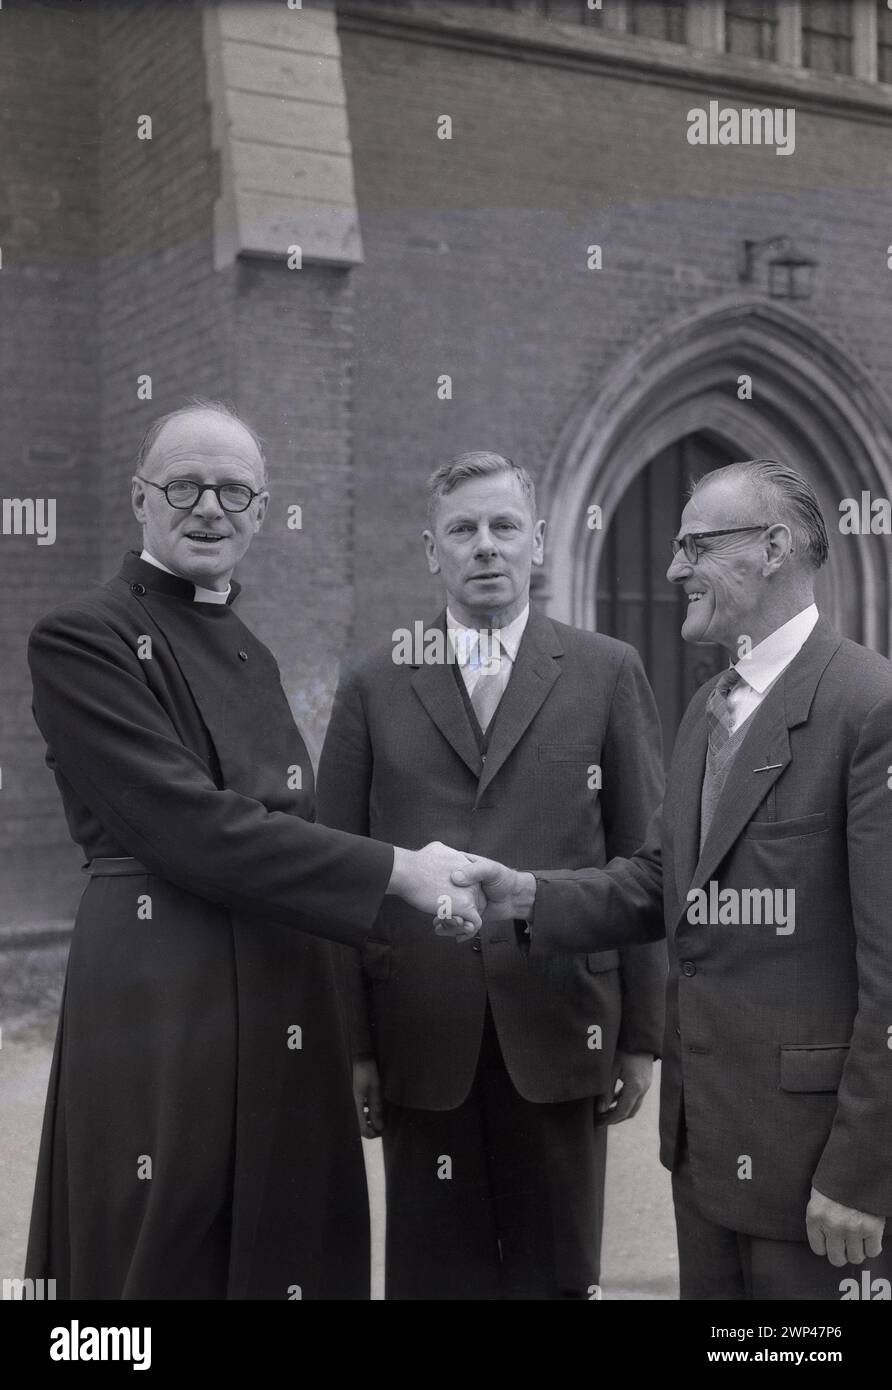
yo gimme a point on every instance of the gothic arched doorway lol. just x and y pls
(668, 411)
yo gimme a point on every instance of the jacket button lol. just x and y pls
(689, 968)
(243, 656)
(475, 944)
(678, 1032)
(138, 589)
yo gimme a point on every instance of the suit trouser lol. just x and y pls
(716, 1262)
(498, 1199)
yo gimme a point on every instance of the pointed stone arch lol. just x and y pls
(814, 406)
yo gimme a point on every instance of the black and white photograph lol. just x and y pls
(446, 772)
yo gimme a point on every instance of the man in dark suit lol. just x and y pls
(199, 1139)
(771, 863)
(537, 741)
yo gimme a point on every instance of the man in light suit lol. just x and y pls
(538, 742)
(771, 870)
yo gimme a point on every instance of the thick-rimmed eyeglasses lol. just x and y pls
(183, 494)
(690, 543)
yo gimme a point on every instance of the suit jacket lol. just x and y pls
(185, 981)
(777, 1042)
(400, 758)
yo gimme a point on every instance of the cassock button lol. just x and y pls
(138, 589)
(243, 656)
(689, 968)
(475, 944)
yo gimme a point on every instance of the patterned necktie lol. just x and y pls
(490, 685)
(718, 710)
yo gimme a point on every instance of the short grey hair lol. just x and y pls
(197, 405)
(788, 496)
(478, 464)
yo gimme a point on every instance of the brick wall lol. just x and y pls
(293, 350)
(475, 258)
(164, 311)
(48, 371)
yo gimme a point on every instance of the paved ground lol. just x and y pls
(639, 1245)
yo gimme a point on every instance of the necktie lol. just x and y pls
(718, 763)
(718, 710)
(490, 685)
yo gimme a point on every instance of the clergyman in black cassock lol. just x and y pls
(199, 1138)
(194, 1145)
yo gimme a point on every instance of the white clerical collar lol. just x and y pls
(773, 655)
(201, 595)
(465, 638)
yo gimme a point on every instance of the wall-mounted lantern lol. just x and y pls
(790, 273)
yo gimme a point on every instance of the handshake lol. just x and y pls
(460, 890)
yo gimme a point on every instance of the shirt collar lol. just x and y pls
(508, 637)
(774, 654)
(201, 595)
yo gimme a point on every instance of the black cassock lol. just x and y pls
(199, 1139)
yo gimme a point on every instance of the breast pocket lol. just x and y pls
(788, 829)
(568, 753)
(571, 772)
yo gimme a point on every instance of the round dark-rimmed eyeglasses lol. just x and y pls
(183, 494)
(689, 543)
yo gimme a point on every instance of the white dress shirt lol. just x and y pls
(766, 662)
(201, 595)
(503, 641)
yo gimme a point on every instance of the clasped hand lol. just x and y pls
(460, 889)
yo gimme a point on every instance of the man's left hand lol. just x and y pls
(633, 1073)
(844, 1234)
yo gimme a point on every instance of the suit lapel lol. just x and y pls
(765, 746)
(535, 672)
(689, 759)
(436, 688)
